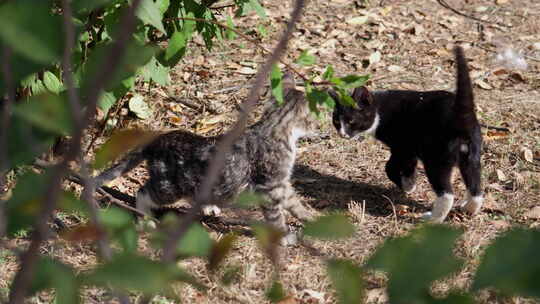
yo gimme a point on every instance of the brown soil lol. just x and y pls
(415, 41)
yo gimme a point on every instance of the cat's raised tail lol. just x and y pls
(464, 107)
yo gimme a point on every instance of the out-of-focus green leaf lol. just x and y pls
(176, 49)
(248, 199)
(276, 83)
(276, 293)
(196, 242)
(85, 6)
(24, 206)
(52, 83)
(350, 81)
(318, 97)
(330, 227)
(347, 281)
(32, 30)
(25, 141)
(120, 226)
(305, 59)
(48, 112)
(132, 272)
(220, 250)
(229, 34)
(121, 142)
(231, 275)
(135, 57)
(149, 12)
(106, 101)
(328, 73)
(413, 262)
(511, 264)
(50, 273)
(154, 71)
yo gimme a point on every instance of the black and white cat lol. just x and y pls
(438, 127)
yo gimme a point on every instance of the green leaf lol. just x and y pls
(132, 272)
(350, 81)
(249, 199)
(305, 59)
(149, 13)
(50, 273)
(154, 71)
(106, 101)
(196, 242)
(256, 6)
(328, 73)
(52, 83)
(330, 227)
(121, 142)
(511, 264)
(220, 250)
(32, 30)
(25, 204)
(276, 293)
(413, 262)
(230, 275)
(262, 30)
(48, 112)
(347, 281)
(277, 84)
(135, 57)
(138, 106)
(163, 5)
(85, 6)
(229, 34)
(175, 50)
(120, 227)
(25, 141)
(319, 97)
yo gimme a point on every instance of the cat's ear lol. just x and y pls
(288, 81)
(362, 96)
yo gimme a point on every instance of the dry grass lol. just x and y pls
(333, 173)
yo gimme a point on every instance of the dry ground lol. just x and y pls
(415, 39)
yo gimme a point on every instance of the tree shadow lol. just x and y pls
(333, 192)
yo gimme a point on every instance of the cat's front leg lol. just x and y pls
(402, 171)
(280, 197)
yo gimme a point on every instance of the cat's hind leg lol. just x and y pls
(470, 168)
(439, 175)
(401, 170)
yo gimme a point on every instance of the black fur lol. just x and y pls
(439, 128)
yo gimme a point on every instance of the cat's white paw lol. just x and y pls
(473, 204)
(428, 217)
(441, 207)
(408, 184)
(211, 210)
(289, 239)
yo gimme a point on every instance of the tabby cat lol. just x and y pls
(438, 127)
(261, 161)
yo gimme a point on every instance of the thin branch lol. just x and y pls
(22, 280)
(444, 4)
(5, 120)
(256, 43)
(204, 194)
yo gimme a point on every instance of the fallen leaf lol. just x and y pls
(358, 20)
(500, 71)
(527, 154)
(312, 294)
(500, 224)
(481, 9)
(482, 84)
(500, 175)
(534, 213)
(288, 300)
(376, 295)
(395, 68)
(402, 209)
(496, 134)
(374, 57)
(499, 2)
(518, 76)
(247, 71)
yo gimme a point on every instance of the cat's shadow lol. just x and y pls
(331, 192)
